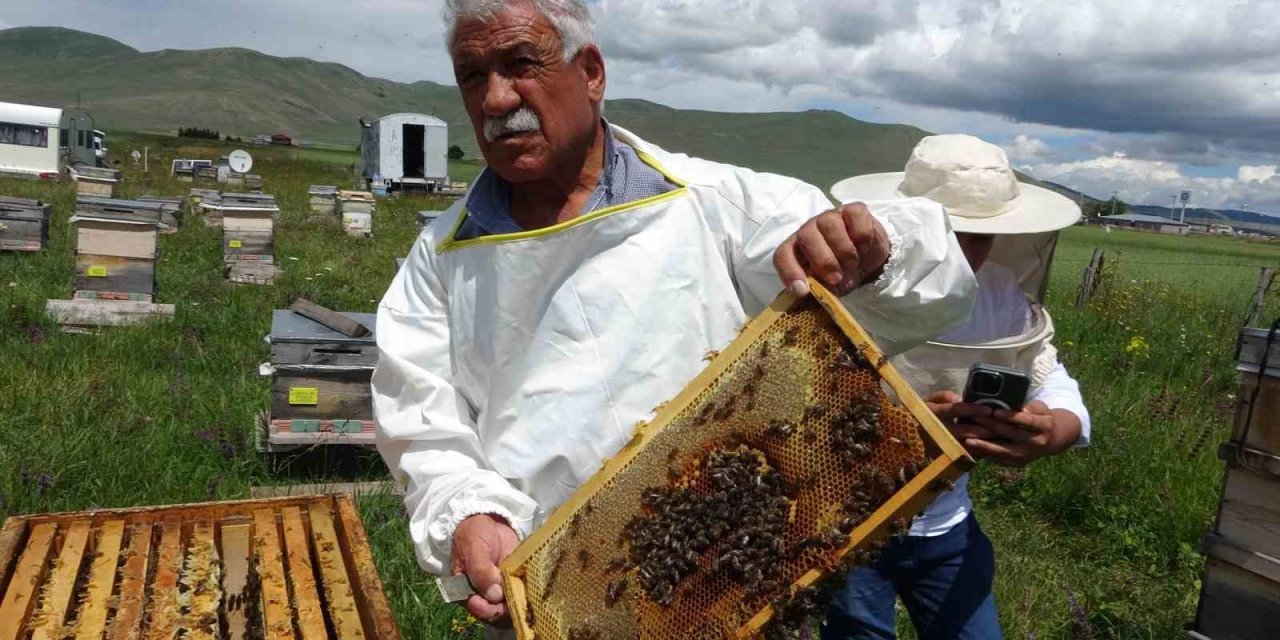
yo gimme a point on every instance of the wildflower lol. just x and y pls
(228, 449)
(206, 435)
(1138, 347)
(35, 334)
(44, 482)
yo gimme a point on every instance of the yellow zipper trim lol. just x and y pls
(451, 244)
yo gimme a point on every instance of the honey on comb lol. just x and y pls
(734, 497)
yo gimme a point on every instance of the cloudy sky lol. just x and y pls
(1138, 97)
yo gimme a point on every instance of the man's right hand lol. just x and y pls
(479, 543)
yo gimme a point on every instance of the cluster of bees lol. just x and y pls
(856, 431)
(742, 512)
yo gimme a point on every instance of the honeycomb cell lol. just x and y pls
(795, 398)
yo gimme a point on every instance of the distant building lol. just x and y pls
(262, 138)
(1147, 223)
(282, 139)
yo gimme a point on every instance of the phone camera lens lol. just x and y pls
(986, 383)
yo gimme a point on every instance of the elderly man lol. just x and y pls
(581, 280)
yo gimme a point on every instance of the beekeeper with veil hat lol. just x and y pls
(943, 569)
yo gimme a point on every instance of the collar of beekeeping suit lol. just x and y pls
(976, 184)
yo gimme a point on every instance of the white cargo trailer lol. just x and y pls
(407, 151)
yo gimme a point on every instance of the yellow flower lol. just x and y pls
(1138, 347)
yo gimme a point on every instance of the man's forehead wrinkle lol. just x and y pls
(475, 38)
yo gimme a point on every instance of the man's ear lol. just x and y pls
(591, 62)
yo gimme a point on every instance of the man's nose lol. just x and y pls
(500, 96)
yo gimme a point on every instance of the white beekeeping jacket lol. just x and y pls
(1008, 329)
(512, 366)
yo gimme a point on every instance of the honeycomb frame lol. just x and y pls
(555, 578)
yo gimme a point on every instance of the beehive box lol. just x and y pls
(238, 204)
(206, 174)
(172, 209)
(96, 181)
(115, 251)
(320, 382)
(24, 224)
(322, 199)
(169, 209)
(1257, 424)
(253, 182)
(783, 463)
(235, 570)
(1240, 586)
(356, 210)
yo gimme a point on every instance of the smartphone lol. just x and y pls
(998, 387)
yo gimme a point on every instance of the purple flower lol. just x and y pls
(228, 450)
(206, 435)
(35, 334)
(44, 482)
(1080, 624)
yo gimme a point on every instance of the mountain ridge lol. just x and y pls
(243, 92)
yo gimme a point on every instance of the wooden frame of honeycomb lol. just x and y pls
(281, 568)
(671, 540)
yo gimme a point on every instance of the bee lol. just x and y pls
(710, 355)
(845, 361)
(528, 616)
(815, 410)
(614, 592)
(779, 429)
(764, 349)
(824, 349)
(615, 565)
(790, 336)
(758, 372)
(725, 411)
(942, 485)
(584, 558)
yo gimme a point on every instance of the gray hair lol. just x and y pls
(571, 19)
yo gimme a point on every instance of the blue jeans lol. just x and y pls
(944, 581)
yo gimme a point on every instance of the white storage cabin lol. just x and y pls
(407, 150)
(39, 142)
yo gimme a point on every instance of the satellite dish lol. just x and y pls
(240, 161)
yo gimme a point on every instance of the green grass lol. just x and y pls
(164, 414)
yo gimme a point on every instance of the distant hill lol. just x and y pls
(244, 92)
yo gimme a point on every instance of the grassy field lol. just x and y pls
(1099, 543)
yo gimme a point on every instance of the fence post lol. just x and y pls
(1089, 281)
(1266, 275)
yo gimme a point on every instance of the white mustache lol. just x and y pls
(522, 120)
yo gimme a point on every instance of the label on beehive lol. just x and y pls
(96, 271)
(235, 244)
(304, 396)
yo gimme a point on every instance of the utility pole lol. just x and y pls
(1115, 195)
(1173, 206)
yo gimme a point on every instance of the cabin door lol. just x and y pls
(413, 149)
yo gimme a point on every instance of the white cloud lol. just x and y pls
(1156, 181)
(1024, 148)
(1086, 64)
(1262, 173)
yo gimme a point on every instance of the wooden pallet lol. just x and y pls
(261, 272)
(278, 568)
(82, 314)
(785, 395)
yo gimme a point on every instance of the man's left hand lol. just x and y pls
(844, 247)
(1022, 437)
